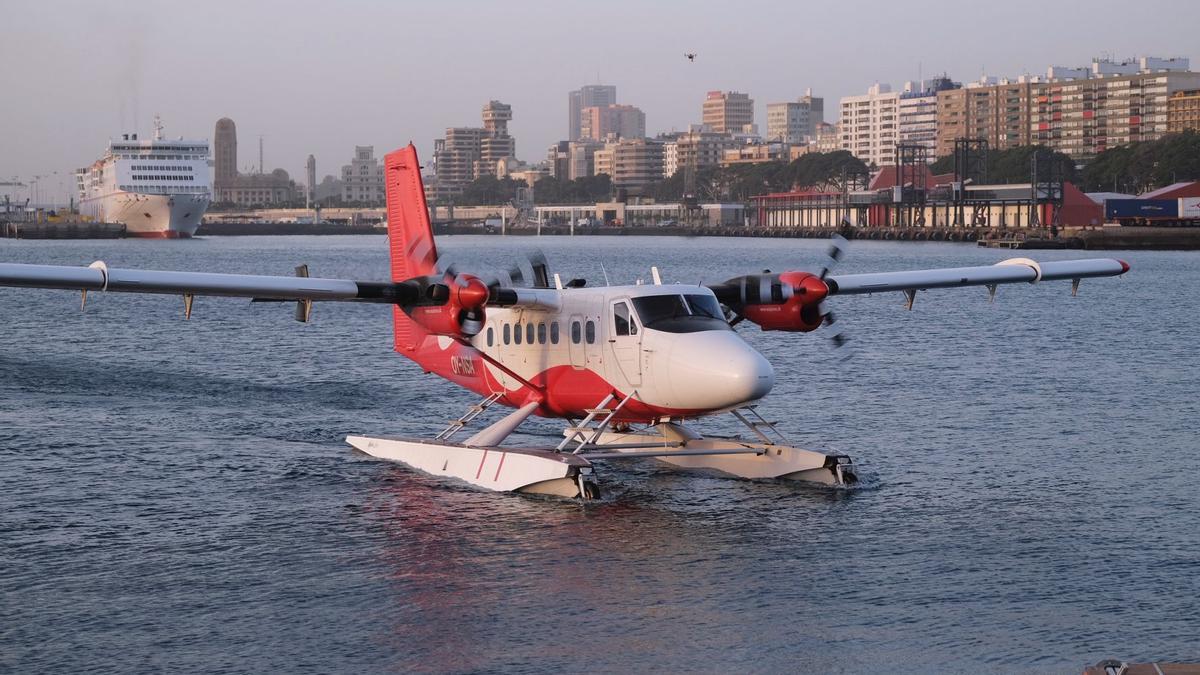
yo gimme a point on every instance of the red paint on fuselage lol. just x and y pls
(560, 391)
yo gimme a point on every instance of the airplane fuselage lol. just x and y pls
(669, 347)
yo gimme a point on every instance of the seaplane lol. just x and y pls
(629, 369)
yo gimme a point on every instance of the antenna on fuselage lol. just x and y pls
(605, 273)
(656, 276)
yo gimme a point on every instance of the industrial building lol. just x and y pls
(908, 195)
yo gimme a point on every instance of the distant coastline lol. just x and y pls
(1096, 238)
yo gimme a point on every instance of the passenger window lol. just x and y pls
(621, 318)
(575, 333)
(489, 336)
(590, 331)
(541, 333)
(507, 331)
(517, 333)
(529, 333)
(554, 333)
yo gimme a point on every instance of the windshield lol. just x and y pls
(705, 305)
(680, 314)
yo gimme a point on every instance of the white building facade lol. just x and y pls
(362, 178)
(870, 125)
(795, 122)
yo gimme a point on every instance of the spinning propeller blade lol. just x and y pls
(837, 251)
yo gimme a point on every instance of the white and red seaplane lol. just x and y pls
(627, 366)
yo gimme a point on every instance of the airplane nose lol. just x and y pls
(716, 369)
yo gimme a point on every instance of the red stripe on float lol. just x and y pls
(481, 461)
(497, 476)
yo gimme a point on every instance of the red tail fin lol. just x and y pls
(410, 235)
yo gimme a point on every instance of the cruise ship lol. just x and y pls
(156, 188)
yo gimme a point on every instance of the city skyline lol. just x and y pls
(322, 85)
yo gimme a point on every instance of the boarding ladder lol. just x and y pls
(584, 435)
(472, 412)
(749, 416)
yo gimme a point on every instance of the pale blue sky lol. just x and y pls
(322, 77)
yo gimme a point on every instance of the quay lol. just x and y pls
(242, 228)
(51, 230)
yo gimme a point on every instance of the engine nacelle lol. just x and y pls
(788, 301)
(460, 308)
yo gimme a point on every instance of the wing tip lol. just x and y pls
(1124, 266)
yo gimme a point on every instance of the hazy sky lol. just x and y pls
(321, 78)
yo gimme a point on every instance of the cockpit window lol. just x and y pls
(680, 314)
(705, 305)
(655, 308)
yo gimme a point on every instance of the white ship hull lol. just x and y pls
(151, 216)
(156, 188)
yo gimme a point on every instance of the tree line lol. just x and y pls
(1134, 168)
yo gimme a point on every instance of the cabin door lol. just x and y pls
(625, 339)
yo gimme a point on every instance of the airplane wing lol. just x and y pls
(1014, 270)
(100, 277)
(429, 290)
(792, 301)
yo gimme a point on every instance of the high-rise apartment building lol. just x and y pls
(495, 145)
(1183, 111)
(581, 159)
(558, 160)
(998, 112)
(636, 162)
(870, 125)
(829, 138)
(670, 157)
(362, 178)
(602, 160)
(455, 156)
(918, 113)
(1078, 111)
(796, 121)
(622, 121)
(466, 153)
(728, 111)
(588, 96)
(1085, 117)
(702, 149)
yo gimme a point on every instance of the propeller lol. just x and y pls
(836, 252)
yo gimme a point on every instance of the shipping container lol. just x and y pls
(1154, 209)
(1189, 208)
